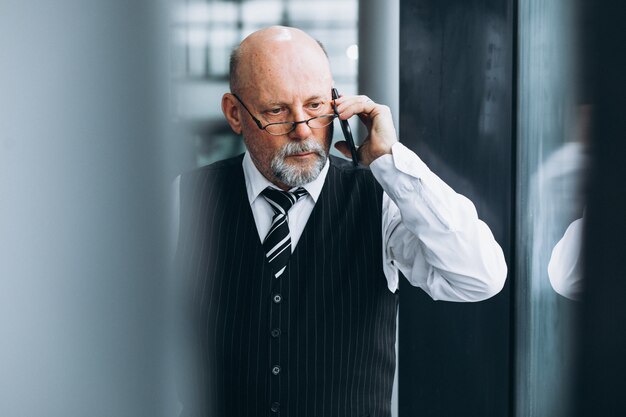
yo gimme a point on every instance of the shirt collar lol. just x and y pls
(256, 182)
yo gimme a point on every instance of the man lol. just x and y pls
(294, 294)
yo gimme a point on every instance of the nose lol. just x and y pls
(302, 130)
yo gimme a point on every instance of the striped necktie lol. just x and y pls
(277, 243)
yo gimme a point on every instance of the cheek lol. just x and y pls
(325, 137)
(262, 149)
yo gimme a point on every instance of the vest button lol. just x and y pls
(277, 298)
(276, 370)
(275, 407)
(275, 332)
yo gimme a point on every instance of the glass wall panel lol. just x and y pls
(552, 139)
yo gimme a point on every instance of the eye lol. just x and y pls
(275, 111)
(315, 105)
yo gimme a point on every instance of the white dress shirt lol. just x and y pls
(430, 233)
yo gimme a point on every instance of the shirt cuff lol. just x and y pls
(402, 159)
(415, 189)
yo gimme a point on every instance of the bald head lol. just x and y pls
(271, 49)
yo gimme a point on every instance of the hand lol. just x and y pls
(377, 118)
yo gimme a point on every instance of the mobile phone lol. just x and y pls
(345, 128)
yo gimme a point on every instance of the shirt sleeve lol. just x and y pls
(433, 235)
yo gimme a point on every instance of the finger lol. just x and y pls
(365, 118)
(350, 106)
(344, 99)
(343, 147)
(344, 103)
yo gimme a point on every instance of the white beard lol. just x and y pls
(294, 176)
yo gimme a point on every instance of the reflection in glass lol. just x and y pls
(553, 120)
(565, 267)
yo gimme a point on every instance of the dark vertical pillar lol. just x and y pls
(603, 339)
(456, 103)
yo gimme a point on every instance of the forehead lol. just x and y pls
(285, 71)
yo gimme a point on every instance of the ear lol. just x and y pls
(231, 112)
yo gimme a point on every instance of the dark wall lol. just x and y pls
(603, 339)
(456, 104)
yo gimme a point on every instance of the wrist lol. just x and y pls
(381, 150)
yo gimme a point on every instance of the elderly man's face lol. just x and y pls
(287, 82)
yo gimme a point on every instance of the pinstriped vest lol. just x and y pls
(318, 341)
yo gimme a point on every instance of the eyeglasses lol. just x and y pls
(282, 128)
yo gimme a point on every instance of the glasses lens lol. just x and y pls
(321, 121)
(279, 128)
(286, 127)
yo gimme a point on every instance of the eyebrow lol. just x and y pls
(282, 103)
(316, 97)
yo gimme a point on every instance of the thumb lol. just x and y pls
(342, 146)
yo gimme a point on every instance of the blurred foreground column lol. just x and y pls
(82, 219)
(379, 77)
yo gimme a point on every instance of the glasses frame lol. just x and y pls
(293, 124)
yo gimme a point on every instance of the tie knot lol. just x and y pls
(282, 201)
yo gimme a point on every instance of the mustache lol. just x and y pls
(293, 148)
